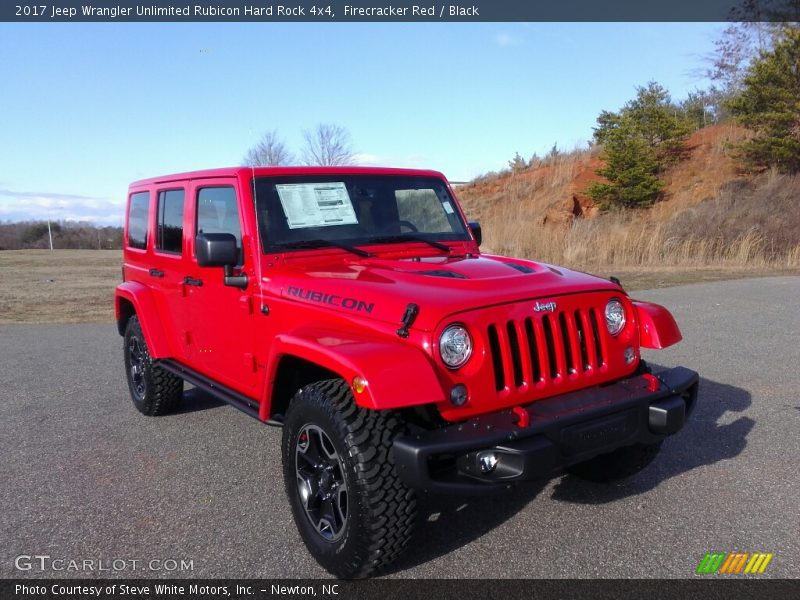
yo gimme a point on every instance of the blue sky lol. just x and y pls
(87, 108)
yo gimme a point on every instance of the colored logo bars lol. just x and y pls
(734, 563)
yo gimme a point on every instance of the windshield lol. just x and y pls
(354, 210)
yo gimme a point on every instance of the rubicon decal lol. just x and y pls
(332, 299)
(747, 563)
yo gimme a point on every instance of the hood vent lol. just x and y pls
(443, 273)
(520, 268)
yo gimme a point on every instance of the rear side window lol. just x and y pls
(170, 221)
(138, 217)
(218, 212)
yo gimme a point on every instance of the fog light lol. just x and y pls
(630, 355)
(458, 395)
(487, 461)
(359, 384)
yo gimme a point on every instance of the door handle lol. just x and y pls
(192, 281)
(156, 273)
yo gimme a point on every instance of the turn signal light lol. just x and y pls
(359, 384)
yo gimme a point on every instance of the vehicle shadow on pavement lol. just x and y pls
(703, 441)
(446, 523)
(195, 400)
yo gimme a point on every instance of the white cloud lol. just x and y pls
(504, 40)
(368, 160)
(33, 206)
(408, 161)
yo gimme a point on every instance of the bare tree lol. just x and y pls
(734, 50)
(270, 151)
(328, 145)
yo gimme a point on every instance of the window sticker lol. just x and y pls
(447, 208)
(316, 204)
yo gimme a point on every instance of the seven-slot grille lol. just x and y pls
(545, 347)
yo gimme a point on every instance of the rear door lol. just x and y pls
(168, 265)
(222, 331)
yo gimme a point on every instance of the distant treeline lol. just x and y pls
(66, 234)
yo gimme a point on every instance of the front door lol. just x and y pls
(222, 316)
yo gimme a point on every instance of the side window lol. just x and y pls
(138, 217)
(170, 221)
(218, 212)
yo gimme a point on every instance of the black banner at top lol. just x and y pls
(44, 11)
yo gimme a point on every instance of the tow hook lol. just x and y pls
(523, 418)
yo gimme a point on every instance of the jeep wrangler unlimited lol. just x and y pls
(353, 307)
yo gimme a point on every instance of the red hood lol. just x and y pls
(381, 287)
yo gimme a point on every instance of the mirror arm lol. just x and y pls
(239, 281)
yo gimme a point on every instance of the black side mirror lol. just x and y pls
(216, 249)
(475, 228)
(220, 250)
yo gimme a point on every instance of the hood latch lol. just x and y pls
(412, 310)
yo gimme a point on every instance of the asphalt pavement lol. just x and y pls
(86, 477)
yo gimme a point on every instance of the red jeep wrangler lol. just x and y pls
(353, 307)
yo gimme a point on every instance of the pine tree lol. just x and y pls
(638, 143)
(769, 104)
(517, 163)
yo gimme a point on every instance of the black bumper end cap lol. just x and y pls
(667, 416)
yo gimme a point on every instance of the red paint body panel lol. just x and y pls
(292, 306)
(384, 363)
(657, 327)
(141, 297)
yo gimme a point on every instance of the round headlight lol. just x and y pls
(455, 346)
(615, 316)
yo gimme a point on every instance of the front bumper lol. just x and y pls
(560, 431)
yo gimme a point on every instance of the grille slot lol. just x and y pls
(596, 333)
(497, 359)
(550, 343)
(562, 321)
(530, 335)
(545, 348)
(582, 342)
(516, 358)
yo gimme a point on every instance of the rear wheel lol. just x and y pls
(619, 464)
(353, 512)
(154, 391)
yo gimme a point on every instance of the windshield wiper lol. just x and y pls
(300, 244)
(410, 237)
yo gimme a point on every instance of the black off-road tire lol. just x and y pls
(381, 510)
(154, 391)
(619, 464)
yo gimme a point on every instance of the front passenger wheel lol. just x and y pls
(353, 512)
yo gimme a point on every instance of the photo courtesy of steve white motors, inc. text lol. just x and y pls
(147, 590)
(433, 11)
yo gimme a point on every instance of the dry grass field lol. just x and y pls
(62, 286)
(77, 286)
